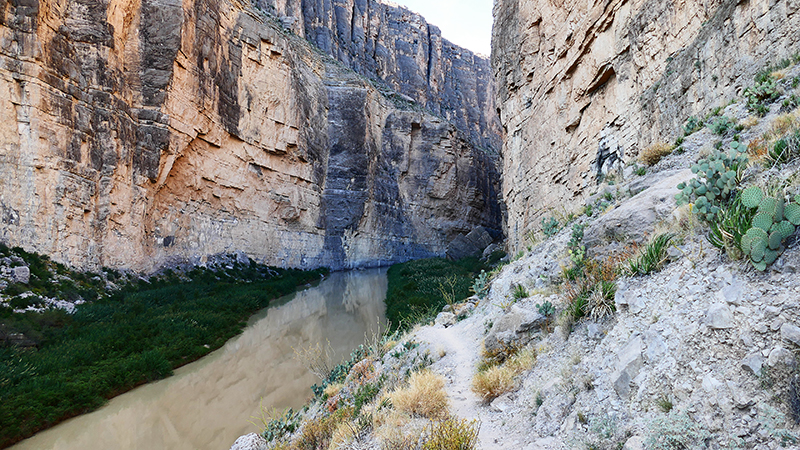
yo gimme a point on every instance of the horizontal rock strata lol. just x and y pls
(135, 133)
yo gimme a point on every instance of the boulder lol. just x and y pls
(471, 244)
(511, 329)
(753, 363)
(636, 218)
(446, 319)
(790, 333)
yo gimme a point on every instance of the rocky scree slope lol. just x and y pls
(699, 354)
(139, 134)
(584, 87)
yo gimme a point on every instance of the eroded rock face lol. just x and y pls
(399, 48)
(133, 133)
(583, 87)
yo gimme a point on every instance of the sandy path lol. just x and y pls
(462, 344)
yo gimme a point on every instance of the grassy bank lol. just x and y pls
(418, 290)
(138, 333)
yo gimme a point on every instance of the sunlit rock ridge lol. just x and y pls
(138, 133)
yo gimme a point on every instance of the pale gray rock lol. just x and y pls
(21, 274)
(719, 317)
(636, 218)
(753, 363)
(780, 355)
(732, 293)
(634, 443)
(628, 365)
(250, 441)
(446, 319)
(510, 328)
(656, 347)
(790, 333)
(594, 331)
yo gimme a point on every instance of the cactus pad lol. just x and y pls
(763, 221)
(768, 205)
(761, 265)
(770, 256)
(752, 196)
(784, 228)
(792, 213)
(775, 240)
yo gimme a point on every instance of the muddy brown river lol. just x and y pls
(206, 405)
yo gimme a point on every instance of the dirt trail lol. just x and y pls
(462, 344)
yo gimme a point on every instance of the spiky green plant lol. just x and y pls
(652, 257)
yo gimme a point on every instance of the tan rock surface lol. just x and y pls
(135, 133)
(585, 86)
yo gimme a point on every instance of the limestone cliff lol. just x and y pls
(583, 87)
(399, 48)
(135, 132)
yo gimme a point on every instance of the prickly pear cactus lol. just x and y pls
(774, 222)
(716, 180)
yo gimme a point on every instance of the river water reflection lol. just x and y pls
(206, 405)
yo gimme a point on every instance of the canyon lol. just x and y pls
(140, 134)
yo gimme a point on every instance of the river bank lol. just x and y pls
(122, 332)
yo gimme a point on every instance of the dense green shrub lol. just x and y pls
(413, 295)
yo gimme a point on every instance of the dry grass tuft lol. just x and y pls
(452, 434)
(653, 154)
(400, 438)
(749, 122)
(494, 380)
(332, 389)
(424, 396)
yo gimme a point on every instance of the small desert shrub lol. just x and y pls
(676, 431)
(652, 257)
(317, 433)
(424, 396)
(451, 434)
(653, 154)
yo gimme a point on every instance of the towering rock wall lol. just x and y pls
(135, 132)
(399, 48)
(583, 87)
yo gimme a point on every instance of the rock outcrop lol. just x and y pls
(583, 87)
(137, 133)
(399, 48)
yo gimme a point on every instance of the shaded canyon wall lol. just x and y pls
(138, 132)
(583, 87)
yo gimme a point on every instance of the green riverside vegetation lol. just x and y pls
(133, 335)
(419, 289)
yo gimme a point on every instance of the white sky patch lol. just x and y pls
(467, 23)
